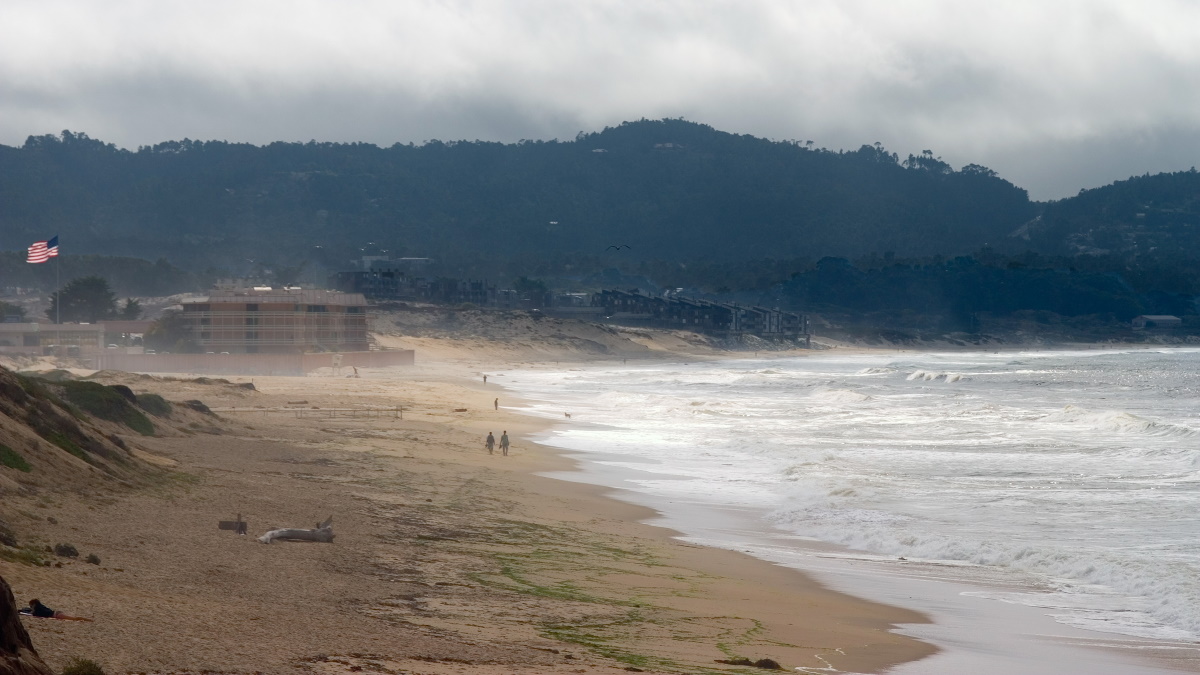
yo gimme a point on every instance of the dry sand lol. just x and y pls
(446, 559)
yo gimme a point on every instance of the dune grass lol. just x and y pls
(10, 458)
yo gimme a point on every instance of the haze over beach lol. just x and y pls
(1055, 97)
(829, 337)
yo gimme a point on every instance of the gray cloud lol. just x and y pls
(1054, 96)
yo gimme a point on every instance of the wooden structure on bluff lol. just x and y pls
(705, 316)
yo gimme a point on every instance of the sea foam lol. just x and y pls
(1074, 472)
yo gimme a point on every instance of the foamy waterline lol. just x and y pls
(1078, 470)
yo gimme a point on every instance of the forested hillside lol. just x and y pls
(668, 190)
(1156, 216)
(653, 204)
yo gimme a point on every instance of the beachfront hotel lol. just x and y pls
(277, 321)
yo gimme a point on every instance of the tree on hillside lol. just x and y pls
(532, 291)
(8, 309)
(289, 275)
(170, 332)
(527, 286)
(131, 311)
(86, 300)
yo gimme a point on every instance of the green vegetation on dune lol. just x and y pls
(107, 403)
(65, 414)
(24, 555)
(10, 458)
(63, 441)
(154, 404)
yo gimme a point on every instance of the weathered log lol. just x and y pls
(323, 533)
(17, 655)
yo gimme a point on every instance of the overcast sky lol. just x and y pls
(1055, 95)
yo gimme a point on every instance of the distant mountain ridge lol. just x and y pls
(669, 189)
(657, 189)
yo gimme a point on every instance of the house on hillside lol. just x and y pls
(381, 278)
(705, 316)
(1156, 321)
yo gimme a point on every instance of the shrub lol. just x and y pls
(125, 392)
(78, 666)
(63, 441)
(56, 375)
(7, 537)
(107, 403)
(93, 559)
(154, 404)
(66, 551)
(24, 556)
(10, 458)
(198, 406)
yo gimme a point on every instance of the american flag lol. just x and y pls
(41, 251)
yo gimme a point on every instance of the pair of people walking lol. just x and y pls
(490, 443)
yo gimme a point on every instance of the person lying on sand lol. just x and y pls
(36, 608)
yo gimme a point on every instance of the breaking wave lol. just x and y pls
(1117, 421)
(934, 376)
(838, 396)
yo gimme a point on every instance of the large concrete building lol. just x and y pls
(278, 321)
(68, 339)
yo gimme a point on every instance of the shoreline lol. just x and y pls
(1056, 645)
(972, 630)
(442, 610)
(570, 473)
(447, 559)
(556, 465)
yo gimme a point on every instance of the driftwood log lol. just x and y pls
(17, 655)
(323, 532)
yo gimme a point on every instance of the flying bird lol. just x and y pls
(619, 247)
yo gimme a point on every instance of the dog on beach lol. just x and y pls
(567, 415)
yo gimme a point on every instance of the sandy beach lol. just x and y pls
(446, 559)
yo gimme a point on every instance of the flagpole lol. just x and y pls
(57, 302)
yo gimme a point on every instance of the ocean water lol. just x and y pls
(1074, 474)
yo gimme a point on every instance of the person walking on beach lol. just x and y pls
(496, 403)
(490, 443)
(485, 379)
(504, 444)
